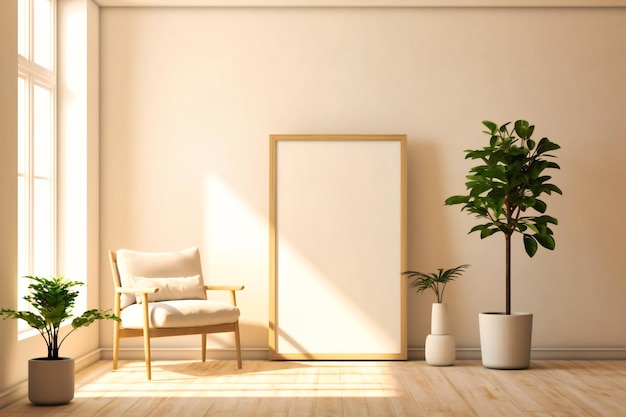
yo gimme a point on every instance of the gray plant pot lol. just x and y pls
(50, 381)
(505, 340)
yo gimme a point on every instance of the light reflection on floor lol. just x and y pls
(256, 379)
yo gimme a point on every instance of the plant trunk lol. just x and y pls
(54, 353)
(508, 273)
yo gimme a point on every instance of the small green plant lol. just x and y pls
(436, 281)
(54, 299)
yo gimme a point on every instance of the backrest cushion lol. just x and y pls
(133, 264)
(175, 288)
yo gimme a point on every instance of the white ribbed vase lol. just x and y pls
(440, 349)
(439, 319)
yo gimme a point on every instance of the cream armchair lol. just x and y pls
(160, 294)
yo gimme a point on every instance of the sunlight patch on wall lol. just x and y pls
(352, 330)
(72, 148)
(232, 231)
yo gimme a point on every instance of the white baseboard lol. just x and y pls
(540, 353)
(579, 353)
(186, 354)
(413, 354)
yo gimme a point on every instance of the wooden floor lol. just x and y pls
(360, 389)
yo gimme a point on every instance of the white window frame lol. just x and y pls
(35, 75)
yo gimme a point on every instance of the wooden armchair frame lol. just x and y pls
(149, 332)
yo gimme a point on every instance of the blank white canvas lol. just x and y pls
(338, 247)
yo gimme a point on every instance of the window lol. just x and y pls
(36, 175)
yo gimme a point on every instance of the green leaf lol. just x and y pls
(89, 316)
(35, 321)
(493, 128)
(478, 188)
(479, 227)
(497, 171)
(517, 151)
(521, 128)
(546, 219)
(477, 209)
(540, 206)
(546, 241)
(551, 188)
(487, 232)
(530, 244)
(536, 167)
(457, 199)
(545, 145)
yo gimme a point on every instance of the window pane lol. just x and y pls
(43, 36)
(22, 242)
(42, 229)
(22, 227)
(36, 143)
(22, 28)
(42, 146)
(22, 127)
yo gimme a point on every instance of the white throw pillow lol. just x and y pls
(175, 288)
(131, 263)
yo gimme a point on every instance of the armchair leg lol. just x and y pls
(146, 338)
(203, 347)
(116, 344)
(146, 346)
(238, 345)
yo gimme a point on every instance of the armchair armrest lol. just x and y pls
(224, 287)
(231, 288)
(129, 290)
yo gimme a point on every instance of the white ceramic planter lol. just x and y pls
(439, 323)
(505, 340)
(440, 349)
(50, 382)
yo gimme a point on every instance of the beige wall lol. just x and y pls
(190, 96)
(8, 186)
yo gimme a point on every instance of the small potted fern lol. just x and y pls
(51, 378)
(440, 349)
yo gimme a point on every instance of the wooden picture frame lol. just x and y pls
(338, 247)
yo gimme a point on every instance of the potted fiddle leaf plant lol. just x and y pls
(506, 191)
(51, 378)
(439, 349)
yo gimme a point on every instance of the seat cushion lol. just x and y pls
(180, 313)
